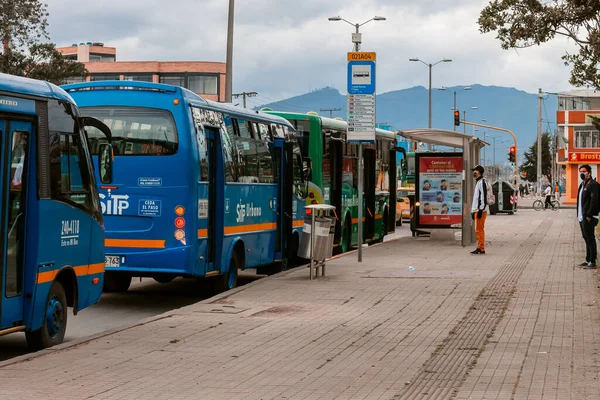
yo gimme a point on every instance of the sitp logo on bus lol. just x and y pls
(247, 210)
(114, 204)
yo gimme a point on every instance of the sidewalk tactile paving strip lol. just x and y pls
(447, 368)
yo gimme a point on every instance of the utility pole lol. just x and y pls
(229, 61)
(244, 94)
(539, 139)
(331, 110)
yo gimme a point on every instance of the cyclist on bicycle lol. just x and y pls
(548, 194)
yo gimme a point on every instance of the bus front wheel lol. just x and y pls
(54, 326)
(115, 282)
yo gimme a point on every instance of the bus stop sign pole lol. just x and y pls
(361, 117)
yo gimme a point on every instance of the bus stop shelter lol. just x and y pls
(471, 148)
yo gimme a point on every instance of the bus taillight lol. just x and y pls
(179, 234)
(179, 211)
(179, 222)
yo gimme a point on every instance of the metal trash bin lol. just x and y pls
(317, 247)
(506, 198)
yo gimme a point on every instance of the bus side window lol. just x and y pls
(244, 129)
(202, 152)
(68, 173)
(230, 155)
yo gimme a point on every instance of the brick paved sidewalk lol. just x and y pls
(519, 322)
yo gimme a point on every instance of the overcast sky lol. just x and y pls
(284, 48)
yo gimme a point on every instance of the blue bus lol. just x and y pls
(51, 224)
(201, 189)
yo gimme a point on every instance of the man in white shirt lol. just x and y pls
(548, 194)
(479, 209)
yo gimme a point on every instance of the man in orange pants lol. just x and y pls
(479, 209)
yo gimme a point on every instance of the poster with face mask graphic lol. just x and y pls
(439, 189)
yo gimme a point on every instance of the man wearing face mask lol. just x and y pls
(479, 209)
(587, 214)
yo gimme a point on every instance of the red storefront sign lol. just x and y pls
(585, 157)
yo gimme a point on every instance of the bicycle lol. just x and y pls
(538, 204)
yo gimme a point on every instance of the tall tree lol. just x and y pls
(529, 166)
(42, 62)
(526, 23)
(22, 23)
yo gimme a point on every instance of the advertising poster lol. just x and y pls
(439, 189)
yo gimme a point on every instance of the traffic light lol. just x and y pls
(512, 154)
(456, 118)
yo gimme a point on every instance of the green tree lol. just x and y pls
(526, 23)
(22, 23)
(529, 165)
(42, 62)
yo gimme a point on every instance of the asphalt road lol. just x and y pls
(144, 299)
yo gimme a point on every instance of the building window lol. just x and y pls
(587, 137)
(75, 79)
(102, 58)
(139, 78)
(70, 57)
(108, 77)
(202, 84)
(173, 80)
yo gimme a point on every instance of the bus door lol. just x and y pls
(370, 183)
(393, 178)
(209, 236)
(283, 170)
(335, 152)
(15, 136)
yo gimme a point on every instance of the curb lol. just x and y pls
(211, 300)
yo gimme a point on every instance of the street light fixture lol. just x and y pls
(445, 60)
(357, 37)
(455, 91)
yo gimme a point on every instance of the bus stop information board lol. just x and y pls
(361, 98)
(439, 188)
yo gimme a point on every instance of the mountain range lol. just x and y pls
(503, 107)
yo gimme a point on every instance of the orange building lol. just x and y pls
(578, 111)
(201, 77)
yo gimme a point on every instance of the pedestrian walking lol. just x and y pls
(559, 190)
(480, 208)
(548, 196)
(556, 192)
(588, 206)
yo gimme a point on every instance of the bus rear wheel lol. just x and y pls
(54, 325)
(116, 282)
(228, 281)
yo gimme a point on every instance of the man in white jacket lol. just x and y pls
(479, 209)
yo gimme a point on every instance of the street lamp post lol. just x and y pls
(430, 67)
(455, 91)
(357, 40)
(229, 61)
(465, 117)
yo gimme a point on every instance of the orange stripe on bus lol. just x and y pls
(202, 233)
(229, 230)
(298, 223)
(355, 220)
(378, 216)
(80, 270)
(47, 276)
(135, 243)
(96, 268)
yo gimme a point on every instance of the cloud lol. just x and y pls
(283, 47)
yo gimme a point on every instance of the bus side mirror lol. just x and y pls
(105, 163)
(307, 169)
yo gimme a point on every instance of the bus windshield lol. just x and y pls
(135, 130)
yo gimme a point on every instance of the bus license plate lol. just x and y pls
(112, 261)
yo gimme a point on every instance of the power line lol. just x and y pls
(244, 94)
(331, 110)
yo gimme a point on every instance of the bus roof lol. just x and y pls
(32, 87)
(331, 123)
(191, 98)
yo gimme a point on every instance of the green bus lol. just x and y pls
(334, 178)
